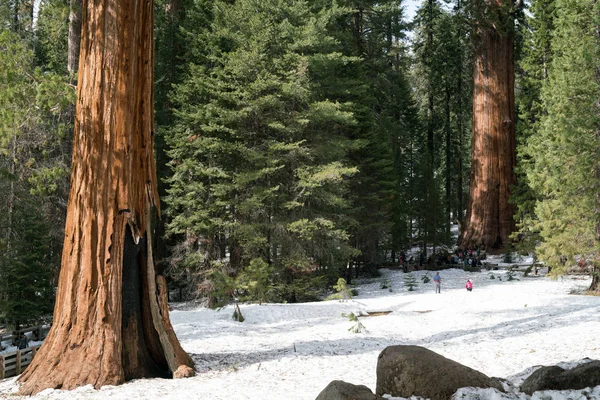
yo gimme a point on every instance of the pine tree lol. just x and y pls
(533, 71)
(379, 96)
(255, 178)
(441, 53)
(28, 269)
(410, 282)
(52, 30)
(564, 168)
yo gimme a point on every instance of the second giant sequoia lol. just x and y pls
(489, 220)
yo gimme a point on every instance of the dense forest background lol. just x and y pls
(297, 138)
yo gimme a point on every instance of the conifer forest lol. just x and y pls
(259, 150)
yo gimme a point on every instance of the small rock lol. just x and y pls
(340, 390)
(184, 372)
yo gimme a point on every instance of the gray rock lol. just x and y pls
(545, 377)
(404, 371)
(556, 378)
(340, 390)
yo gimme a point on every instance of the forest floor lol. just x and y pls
(292, 351)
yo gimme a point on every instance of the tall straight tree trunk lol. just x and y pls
(448, 134)
(595, 284)
(16, 7)
(489, 221)
(429, 168)
(111, 321)
(74, 39)
(459, 89)
(11, 194)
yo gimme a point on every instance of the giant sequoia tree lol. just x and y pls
(111, 319)
(489, 220)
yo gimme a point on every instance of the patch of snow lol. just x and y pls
(292, 351)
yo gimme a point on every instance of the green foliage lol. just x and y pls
(358, 327)
(443, 95)
(426, 278)
(492, 276)
(532, 71)
(386, 284)
(343, 293)
(52, 33)
(255, 279)
(410, 282)
(510, 276)
(470, 268)
(28, 265)
(508, 256)
(237, 314)
(254, 176)
(562, 169)
(34, 167)
(302, 288)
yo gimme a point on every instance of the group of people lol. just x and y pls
(468, 257)
(437, 281)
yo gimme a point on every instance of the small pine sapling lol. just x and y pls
(426, 278)
(492, 276)
(358, 327)
(225, 292)
(510, 276)
(508, 255)
(410, 282)
(386, 284)
(254, 280)
(343, 292)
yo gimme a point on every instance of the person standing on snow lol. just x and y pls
(437, 280)
(469, 285)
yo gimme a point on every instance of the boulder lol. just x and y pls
(545, 377)
(557, 378)
(405, 371)
(340, 390)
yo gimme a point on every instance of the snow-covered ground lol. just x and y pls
(292, 351)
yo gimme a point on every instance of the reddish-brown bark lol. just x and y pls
(110, 319)
(489, 220)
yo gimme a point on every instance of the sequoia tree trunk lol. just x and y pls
(111, 321)
(489, 220)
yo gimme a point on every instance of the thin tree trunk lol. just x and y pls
(489, 220)
(16, 7)
(429, 185)
(11, 194)
(448, 132)
(111, 319)
(459, 89)
(595, 285)
(31, 9)
(74, 36)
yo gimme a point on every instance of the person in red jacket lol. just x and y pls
(469, 285)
